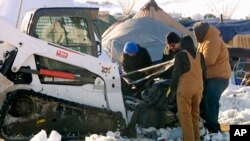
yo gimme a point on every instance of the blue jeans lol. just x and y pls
(210, 102)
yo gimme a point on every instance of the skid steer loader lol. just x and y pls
(44, 85)
(48, 86)
(51, 78)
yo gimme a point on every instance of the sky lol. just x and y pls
(189, 8)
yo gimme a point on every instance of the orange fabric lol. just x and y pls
(189, 94)
(192, 80)
(216, 54)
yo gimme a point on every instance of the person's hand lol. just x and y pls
(247, 83)
(247, 75)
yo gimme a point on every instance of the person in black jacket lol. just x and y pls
(188, 82)
(135, 57)
(172, 47)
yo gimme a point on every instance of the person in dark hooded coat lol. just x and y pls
(172, 46)
(187, 81)
(171, 49)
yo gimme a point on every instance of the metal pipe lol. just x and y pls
(148, 68)
(151, 75)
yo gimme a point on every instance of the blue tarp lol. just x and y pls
(230, 28)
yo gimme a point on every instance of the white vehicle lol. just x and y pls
(51, 77)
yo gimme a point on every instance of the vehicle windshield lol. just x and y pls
(70, 32)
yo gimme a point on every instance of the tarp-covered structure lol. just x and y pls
(152, 10)
(145, 31)
(231, 28)
(103, 22)
(148, 28)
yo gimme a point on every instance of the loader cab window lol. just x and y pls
(70, 32)
(55, 72)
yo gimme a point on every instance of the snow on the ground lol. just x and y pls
(167, 134)
(42, 136)
(234, 109)
(235, 105)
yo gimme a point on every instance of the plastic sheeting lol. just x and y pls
(230, 29)
(147, 32)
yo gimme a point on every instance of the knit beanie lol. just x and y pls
(200, 30)
(130, 47)
(172, 37)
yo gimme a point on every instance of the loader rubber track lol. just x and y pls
(72, 120)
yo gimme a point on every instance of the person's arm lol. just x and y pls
(181, 66)
(203, 66)
(125, 67)
(211, 51)
(165, 55)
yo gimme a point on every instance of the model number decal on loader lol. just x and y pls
(61, 54)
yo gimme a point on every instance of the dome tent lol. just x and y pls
(145, 31)
(152, 10)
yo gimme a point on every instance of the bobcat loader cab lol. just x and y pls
(68, 27)
(68, 23)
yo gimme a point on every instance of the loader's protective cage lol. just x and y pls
(68, 27)
(70, 32)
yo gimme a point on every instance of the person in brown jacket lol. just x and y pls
(216, 57)
(187, 80)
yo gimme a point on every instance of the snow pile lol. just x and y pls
(163, 134)
(235, 105)
(42, 136)
(149, 134)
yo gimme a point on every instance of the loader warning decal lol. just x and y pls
(62, 54)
